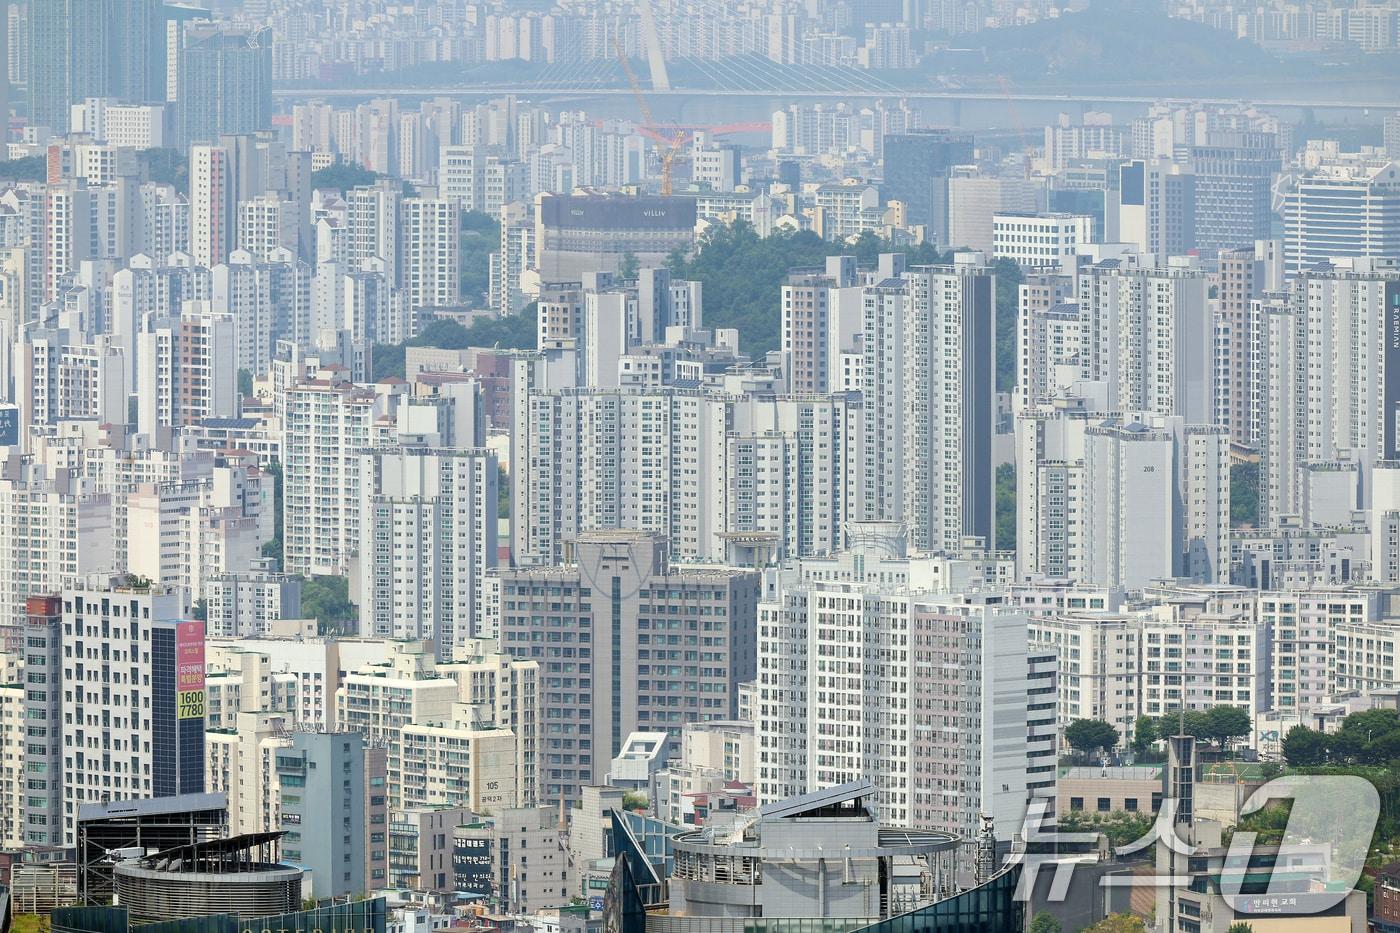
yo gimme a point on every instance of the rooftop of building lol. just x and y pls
(1113, 773)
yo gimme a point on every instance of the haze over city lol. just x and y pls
(700, 466)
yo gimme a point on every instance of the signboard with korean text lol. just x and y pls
(189, 670)
(9, 426)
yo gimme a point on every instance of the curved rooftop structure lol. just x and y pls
(822, 854)
(240, 875)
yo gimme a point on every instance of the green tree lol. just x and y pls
(1371, 724)
(167, 167)
(628, 268)
(1370, 737)
(1118, 923)
(1145, 734)
(515, 332)
(31, 923)
(743, 273)
(1239, 927)
(1119, 826)
(1045, 922)
(675, 262)
(1244, 495)
(273, 548)
(30, 168)
(1008, 308)
(480, 237)
(342, 176)
(1006, 506)
(1304, 747)
(633, 800)
(1192, 723)
(1224, 724)
(1089, 735)
(1267, 823)
(245, 383)
(327, 600)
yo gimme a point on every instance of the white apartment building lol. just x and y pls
(1366, 655)
(1048, 339)
(374, 219)
(622, 458)
(243, 289)
(379, 699)
(1156, 658)
(315, 666)
(166, 221)
(1038, 241)
(181, 534)
(244, 604)
(718, 166)
(516, 257)
(878, 553)
(120, 125)
(1120, 503)
(430, 252)
(123, 736)
(1100, 663)
(327, 421)
(60, 375)
(821, 318)
(427, 525)
(927, 378)
(240, 761)
(481, 181)
(244, 682)
(846, 209)
(146, 292)
(456, 763)
(364, 304)
(700, 467)
(52, 527)
(790, 472)
(267, 225)
(505, 692)
(1326, 371)
(13, 772)
(1203, 661)
(1149, 332)
(863, 681)
(187, 369)
(1306, 627)
(212, 204)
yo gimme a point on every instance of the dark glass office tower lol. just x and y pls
(138, 60)
(93, 48)
(225, 84)
(915, 162)
(1234, 189)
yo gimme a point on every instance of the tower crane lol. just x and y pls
(670, 145)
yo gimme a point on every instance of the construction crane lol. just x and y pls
(670, 145)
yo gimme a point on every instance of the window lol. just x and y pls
(1105, 804)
